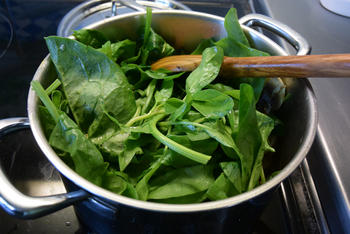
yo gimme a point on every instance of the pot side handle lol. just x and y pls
(295, 39)
(22, 206)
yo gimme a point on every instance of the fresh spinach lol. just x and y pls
(155, 135)
(90, 37)
(212, 103)
(206, 72)
(91, 82)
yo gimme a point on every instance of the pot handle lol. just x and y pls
(133, 5)
(23, 206)
(295, 39)
(168, 5)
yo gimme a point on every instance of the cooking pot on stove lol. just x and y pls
(105, 212)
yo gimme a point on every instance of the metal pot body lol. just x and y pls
(105, 212)
(103, 217)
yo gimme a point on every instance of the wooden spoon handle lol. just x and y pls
(332, 65)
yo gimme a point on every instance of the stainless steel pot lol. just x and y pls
(106, 212)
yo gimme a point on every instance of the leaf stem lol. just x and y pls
(53, 86)
(149, 92)
(142, 117)
(184, 151)
(45, 99)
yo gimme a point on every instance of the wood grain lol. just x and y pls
(331, 65)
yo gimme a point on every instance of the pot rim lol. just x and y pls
(174, 208)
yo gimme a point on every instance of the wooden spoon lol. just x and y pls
(328, 65)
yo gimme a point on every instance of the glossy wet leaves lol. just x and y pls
(154, 135)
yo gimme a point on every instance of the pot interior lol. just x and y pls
(184, 30)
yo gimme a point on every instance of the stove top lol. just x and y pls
(295, 208)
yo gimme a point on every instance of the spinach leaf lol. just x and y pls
(176, 160)
(162, 74)
(177, 108)
(222, 188)
(91, 82)
(67, 137)
(90, 37)
(149, 96)
(266, 125)
(141, 133)
(132, 147)
(237, 45)
(120, 50)
(207, 70)
(211, 103)
(114, 181)
(248, 137)
(181, 182)
(216, 130)
(165, 92)
(232, 171)
(191, 154)
(154, 46)
(228, 90)
(203, 45)
(234, 48)
(233, 28)
(46, 120)
(142, 187)
(88, 161)
(172, 104)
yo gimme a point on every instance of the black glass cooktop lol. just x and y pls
(23, 25)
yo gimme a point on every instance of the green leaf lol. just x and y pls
(233, 28)
(186, 152)
(130, 191)
(212, 103)
(162, 74)
(172, 158)
(46, 120)
(237, 45)
(88, 161)
(165, 92)
(177, 108)
(207, 71)
(181, 182)
(154, 46)
(131, 149)
(232, 171)
(172, 104)
(205, 43)
(123, 146)
(219, 132)
(234, 48)
(266, 125)
(90, 37)
(248, 137)
(149, 96)
(92, 83)
(157, 147)
(114, 181)
(142, 186)
(222, 188)
(228, 90)
(120, 50)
